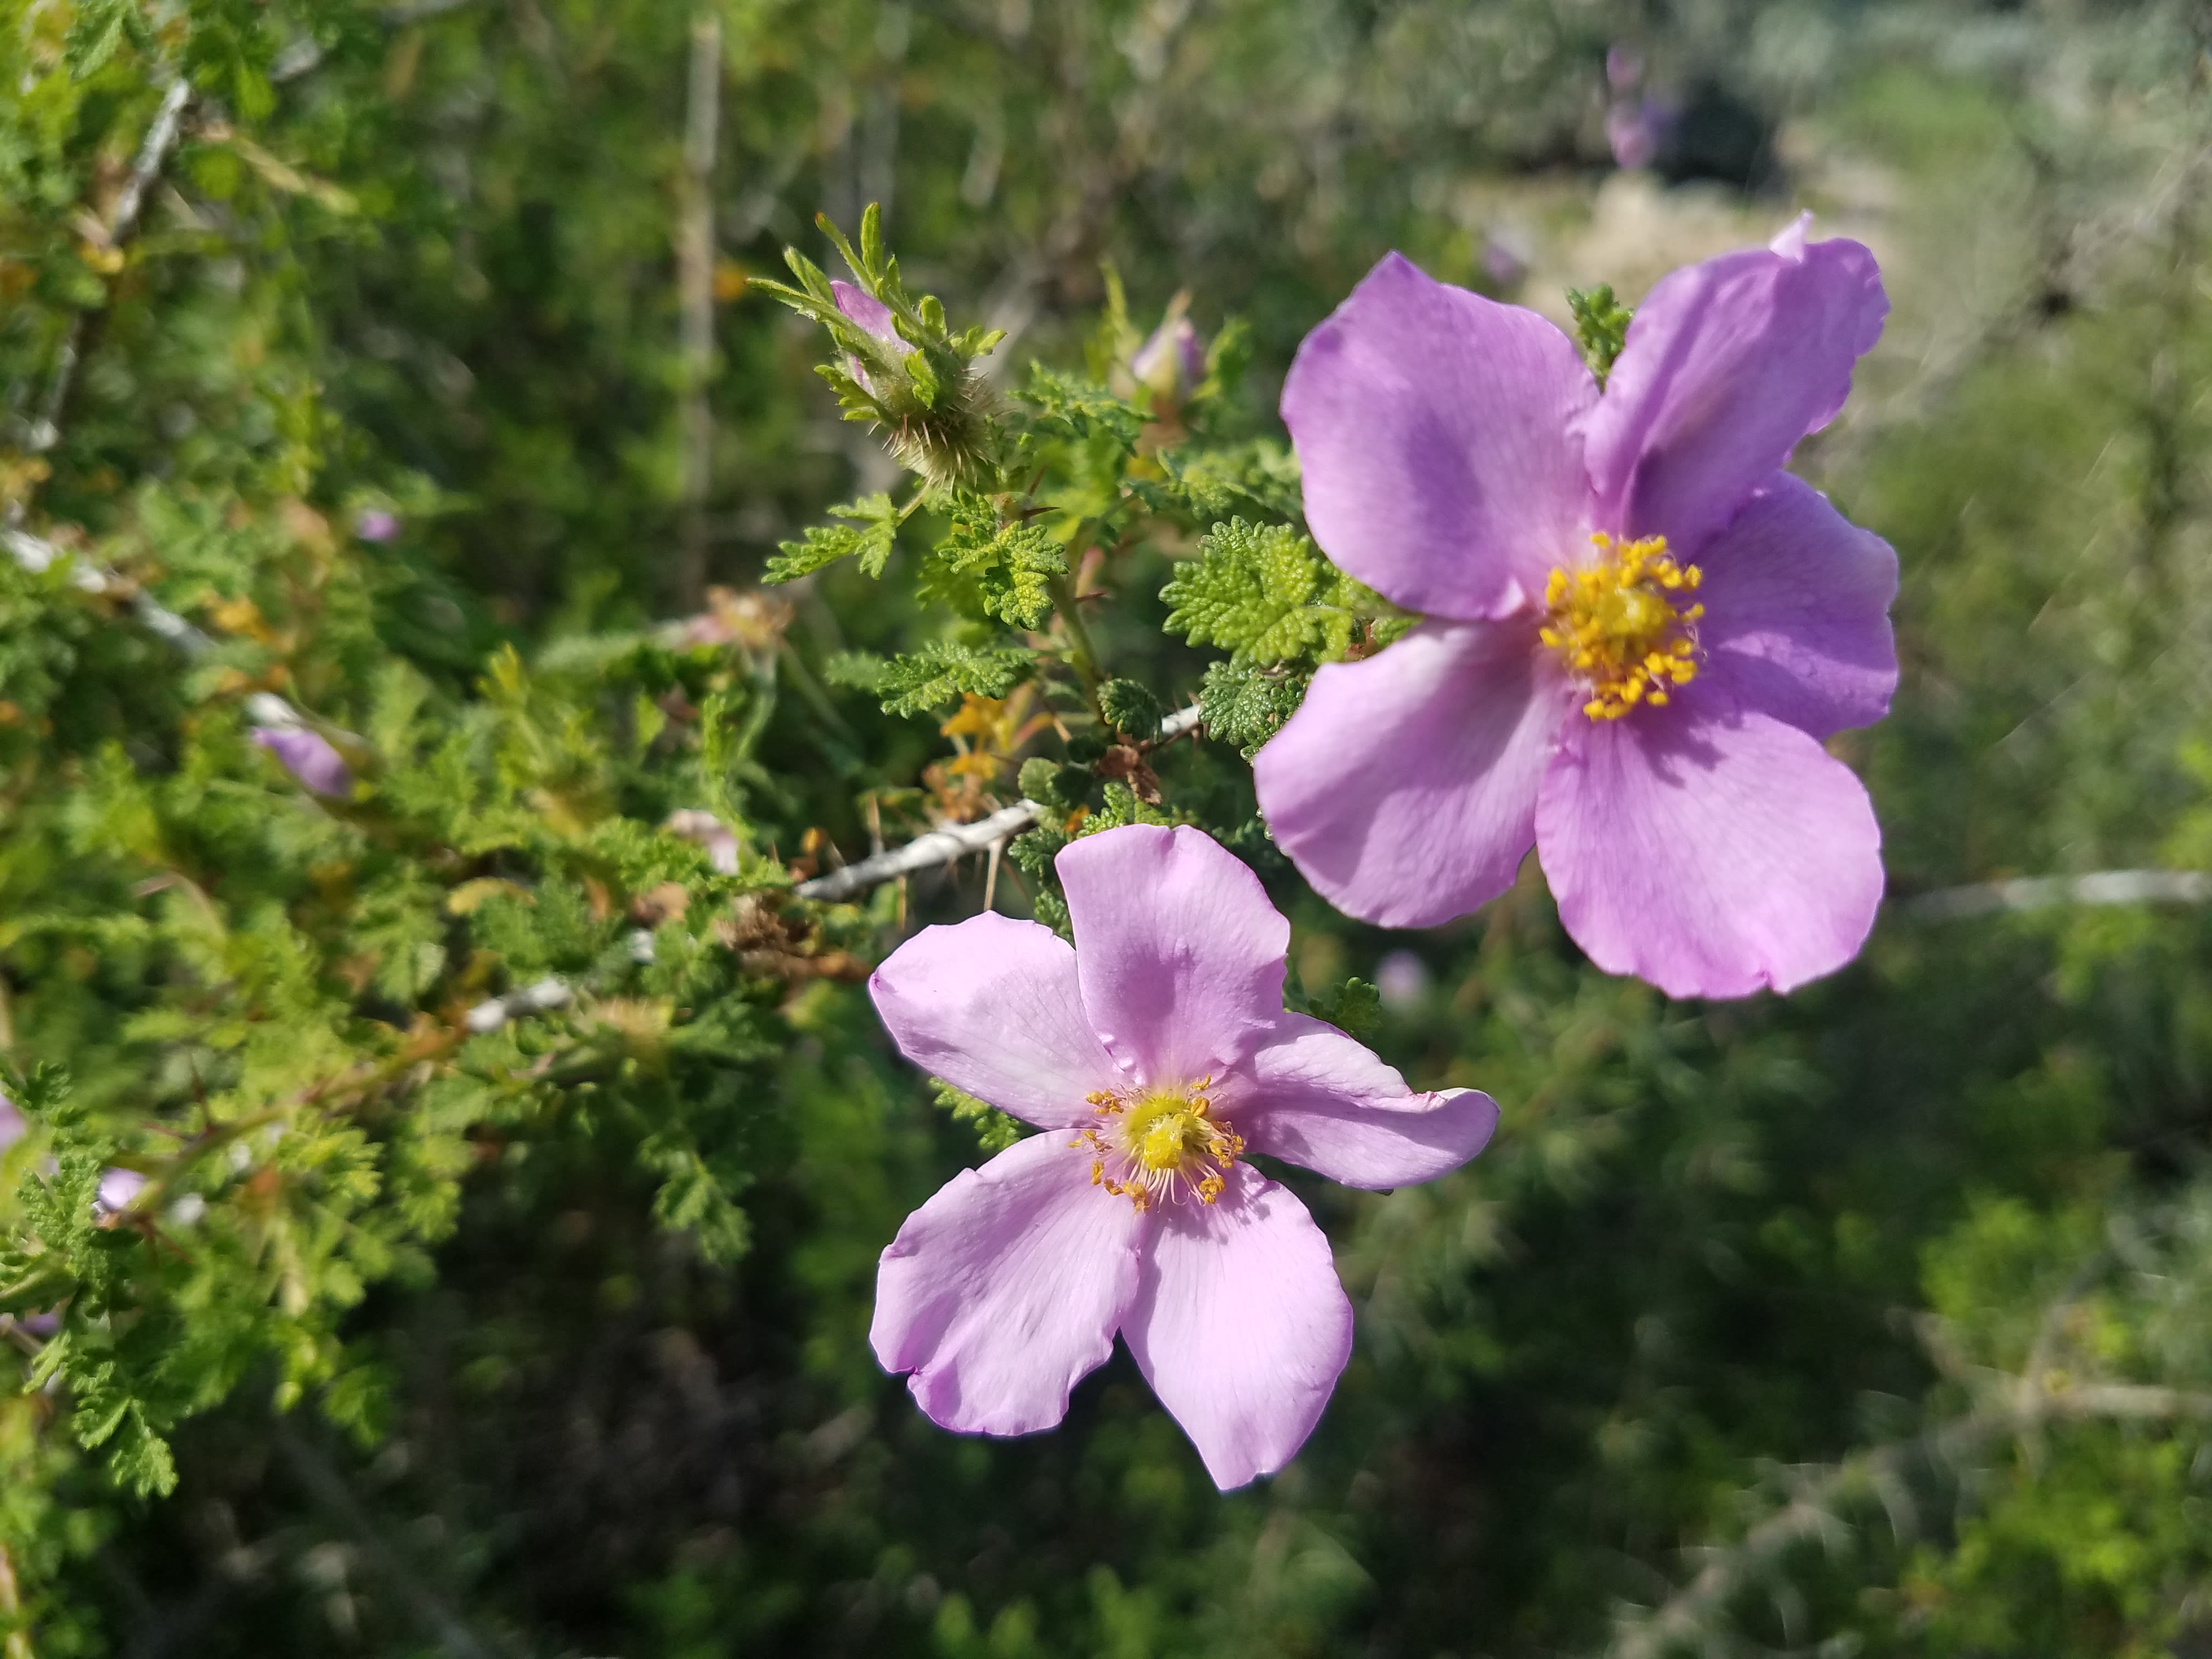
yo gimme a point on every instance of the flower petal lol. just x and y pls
(1324, 1100)
(1709, 850)
(1796, 620)
(1003, 1290)
(864, 308)
(1405, 787)
(993, 1006)
(1728, 364)
(1436, 433)
(1240, 1326)
(1179, 952)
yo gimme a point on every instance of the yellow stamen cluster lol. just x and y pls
(1152, 1145)
(1623, 626)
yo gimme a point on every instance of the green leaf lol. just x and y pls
(872, 542)
(1603, 325)
(863, 671)
(1012, 565)
(936, 674)
(1354, 1007)
(995, 1130)
(1208, 484)
(1073, 406)
(1246, 705)
(1261, 590)
(1131, 708)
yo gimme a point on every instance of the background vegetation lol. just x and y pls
(427, 386)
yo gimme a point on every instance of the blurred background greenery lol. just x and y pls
(1874, 1321)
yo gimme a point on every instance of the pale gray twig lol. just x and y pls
(2042, 892)
(122, 224)
(957, 841)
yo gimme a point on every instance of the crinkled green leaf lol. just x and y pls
(870, 540)
(1246, 705)
(937, 674)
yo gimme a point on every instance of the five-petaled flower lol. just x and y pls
(1153, 1056)
(1639, 627)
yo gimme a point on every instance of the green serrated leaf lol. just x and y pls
(931, 678)
(1246, 705)
(1354, 1007)
(1131, 708)
(1012, 565)
(863, 671)
(1072, 406)
(1261, 590)
(870, 539)
(995, 1130)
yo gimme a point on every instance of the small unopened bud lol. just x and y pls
(1172, 362)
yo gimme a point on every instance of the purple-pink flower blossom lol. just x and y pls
(1154, 1055)
(376, 524)
(1639, 627)
(309, 757)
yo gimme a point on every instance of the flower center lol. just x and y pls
(1623, 625)
(1154, 1144)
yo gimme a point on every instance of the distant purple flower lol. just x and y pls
(1402, 979)
(710, 832)
(1634, 130)
(1624, 66)
(1172, 362)
(1153, 1054)
(117, 1187)
(1652, 725)
(1505, 259)
(374, 524)
(307, 758)
(12, 1125)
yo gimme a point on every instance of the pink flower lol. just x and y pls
(374, 524)
(1154, 1055)
(309, 757)
(1640, 628)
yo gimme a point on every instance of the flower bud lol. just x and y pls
(309, 758)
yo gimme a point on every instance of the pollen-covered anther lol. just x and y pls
(1155, 1145)
(1625, 626)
